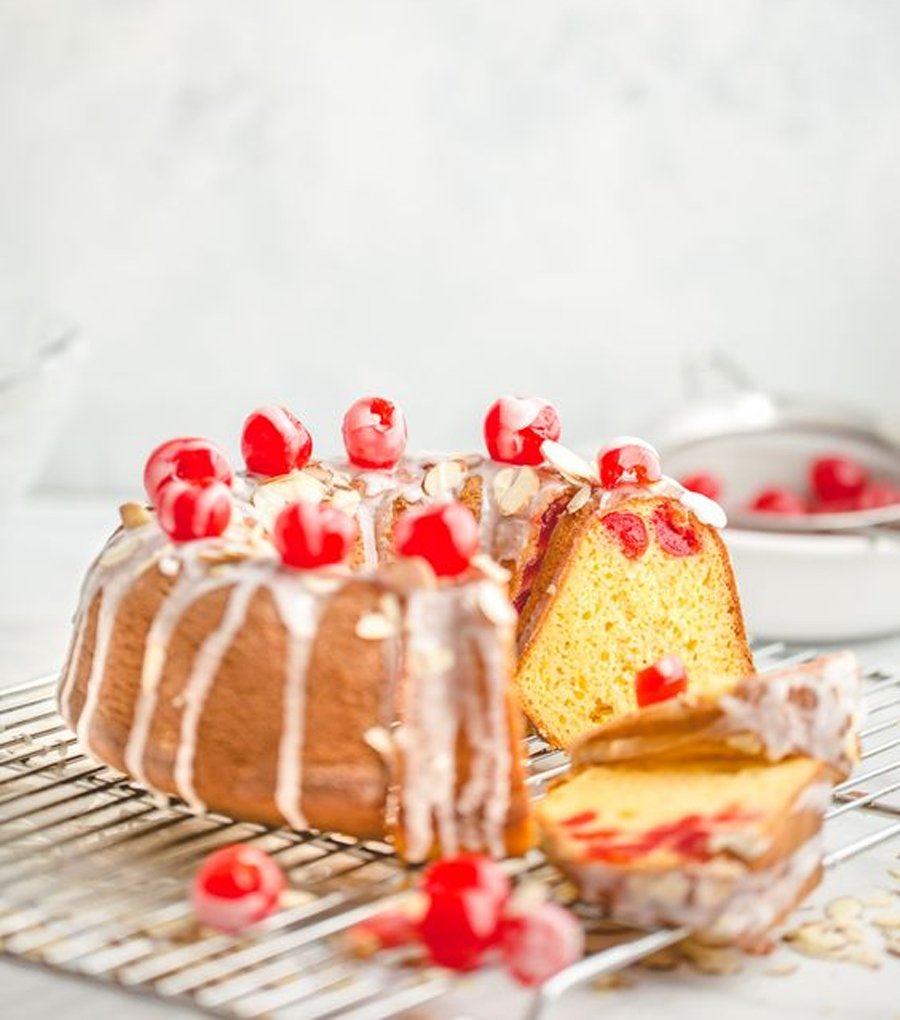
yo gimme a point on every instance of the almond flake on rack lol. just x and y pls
(375, 627)
(887, 921)
(514, 488)
(844, 910)
(134, 515)
(781, 968)
(443, 478)
(580, 499)
(572, 467)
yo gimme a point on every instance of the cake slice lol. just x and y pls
(726, 849)
(809, 709)
(625, 581)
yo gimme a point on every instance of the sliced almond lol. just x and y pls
(567, 463)
(613, 981)
(580, 499)
(444, 478)
(887, 921)
(494, 603)
(119, 551)
(134, 515)
(514, 488)
(712, 959)
(490, 568)
(817, 939)
(375, 627)
(844, 910)
(781, 968)
(863, 955)
(881, 899)
(380, 740)
(347, 500)
(275, 493)
(663, 959)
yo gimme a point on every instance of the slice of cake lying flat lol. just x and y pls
(811, 709)
(726, 849)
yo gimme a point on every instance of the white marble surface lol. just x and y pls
(45, 547)
(303, 201)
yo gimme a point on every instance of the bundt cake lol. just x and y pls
(254, 645)
(724, 848)
(812, 708)
(372, 703)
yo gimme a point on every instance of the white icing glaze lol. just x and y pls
(720, 900)
(808, 709)
(445, 634)
(300, 610)
(203, 673)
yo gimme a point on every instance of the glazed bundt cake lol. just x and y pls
(368, 703)
(332, 644)
(724, 848)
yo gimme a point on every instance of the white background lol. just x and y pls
(304, 201)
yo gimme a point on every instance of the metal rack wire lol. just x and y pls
(93, 873)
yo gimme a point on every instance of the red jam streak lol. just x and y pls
(529, 572)
(674, 530)
(688, 836)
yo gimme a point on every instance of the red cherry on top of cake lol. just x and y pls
(190, 459)
(445, 534)
(310, 535)
(188, 510)
(236, 887)
(515, 428)
(374, 431)
(274, 442)
(628, 460)
(663, 680)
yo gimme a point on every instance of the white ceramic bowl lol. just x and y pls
(839, 585)
(817, 588)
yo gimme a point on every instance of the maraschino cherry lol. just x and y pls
(309, 535)
(190, 459)
(834, 479)
(236, 887)
(466, 897)
(705, 483)
(274, 442)
(374, 431)
(663, 680)
(515, 428)
(628, 460)
(188, 510)
(779, 500)
(445, 534)
(540, 941)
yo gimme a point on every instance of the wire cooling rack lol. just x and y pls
(93, 872)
